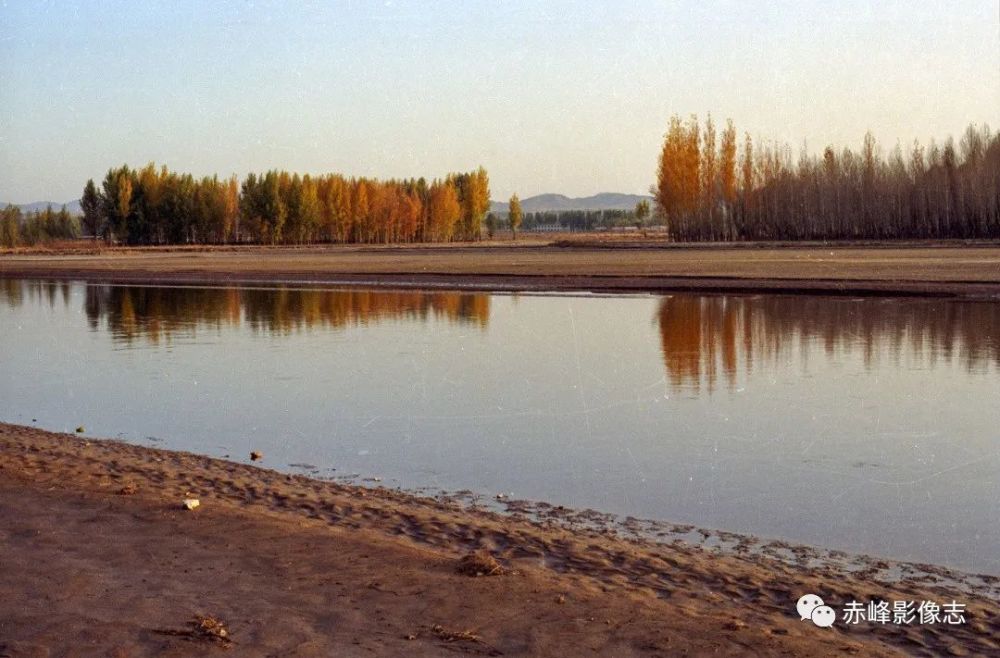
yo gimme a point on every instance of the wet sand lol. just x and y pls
(100, 559)
(946, 270)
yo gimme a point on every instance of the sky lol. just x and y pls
(566, 97)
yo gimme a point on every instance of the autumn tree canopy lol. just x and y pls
(709, 189)
(157, 206)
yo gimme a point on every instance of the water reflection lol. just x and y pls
(14, 292)
(157, 313)
(705, 338)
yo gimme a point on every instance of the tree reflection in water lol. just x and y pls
(706, 339)
(155, 313)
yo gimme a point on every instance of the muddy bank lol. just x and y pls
(100, 559)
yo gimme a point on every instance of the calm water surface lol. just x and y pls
(869, 425)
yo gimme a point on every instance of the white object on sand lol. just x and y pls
(191, 503)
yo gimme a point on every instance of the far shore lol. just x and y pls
(545, 264)
(100, 558)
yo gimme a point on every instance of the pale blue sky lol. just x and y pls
(569, 97)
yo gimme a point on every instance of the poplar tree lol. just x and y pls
(90, 204)
(10, 226)
(515, 215)
(641, 212)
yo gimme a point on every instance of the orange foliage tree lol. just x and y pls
(157, 206)
(709, 191)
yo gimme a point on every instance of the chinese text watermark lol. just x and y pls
(813, 608)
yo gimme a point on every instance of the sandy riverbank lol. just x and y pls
(948, 270)
(100, 559)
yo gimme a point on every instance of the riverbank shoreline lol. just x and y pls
(971, 272)
(100, 555)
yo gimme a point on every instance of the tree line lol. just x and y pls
(158, 206)
(18, 228)
(710, 188)
(568, 220)
(580, 220)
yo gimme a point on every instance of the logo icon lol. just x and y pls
(811, 607)
(823, 616)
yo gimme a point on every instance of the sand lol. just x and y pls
(949, 269)
(100, 559)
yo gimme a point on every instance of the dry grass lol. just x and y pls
(210, 628)
(479, 563)
(202, 627)
(465, 636)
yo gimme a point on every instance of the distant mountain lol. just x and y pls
(72, 206)
(559, 202)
